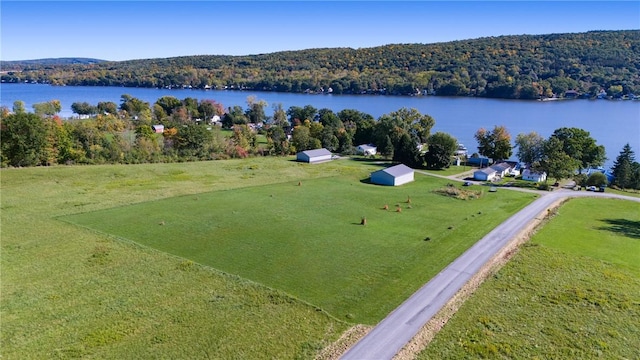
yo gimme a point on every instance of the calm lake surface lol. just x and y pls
(612, 123)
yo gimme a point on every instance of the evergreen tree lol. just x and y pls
(623, 168)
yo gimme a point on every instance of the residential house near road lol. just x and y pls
(530, 175)
(502, 169)
(486, 174)
(367, 149)
(314, 156)
(393, 176)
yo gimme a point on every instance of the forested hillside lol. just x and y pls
(518, 67)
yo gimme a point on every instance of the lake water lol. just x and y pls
(612, 123)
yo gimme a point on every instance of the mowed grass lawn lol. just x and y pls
(307, 241)
(572, 292)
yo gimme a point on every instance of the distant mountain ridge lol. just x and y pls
(591, 64)
(17, 64)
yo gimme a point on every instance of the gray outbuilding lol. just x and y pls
(314, 156)
(393, 176)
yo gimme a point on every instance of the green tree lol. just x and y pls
(495, 144)
(597, 179)
(169, 104)
(49, 108)
(136, 108)
(579, 145)
(193, 140)
(107, 107)
(277, 141)
(448, 143)
(300, 138)
(234, 116)
(255, 110)
(19, 107)
(280, 116)
(308, 112)
(407, 152)
(23, 139)
(83, 108)
(437, 156)
(623, 168)
(209, 108)
(530, 147)
(555, 162)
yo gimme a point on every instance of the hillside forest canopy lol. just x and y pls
(585, 65)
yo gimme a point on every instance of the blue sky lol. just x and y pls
(127, 30)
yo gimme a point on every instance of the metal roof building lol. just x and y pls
(314, 156)
(393, 176)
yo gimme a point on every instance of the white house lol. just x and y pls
(529, 175)
(314, 156)
(502, 169)
(486, 174)
(367, 150)
(393, 176)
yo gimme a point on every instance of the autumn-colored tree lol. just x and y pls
(494, 144)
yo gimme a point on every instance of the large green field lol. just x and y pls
(291, 273)
(572, 292)
(307, 240)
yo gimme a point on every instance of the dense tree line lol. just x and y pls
(171, 129)
(513, 67)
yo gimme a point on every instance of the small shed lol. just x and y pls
(393, 176)
(486, 174)
(529, 175)
(314, 156)
(367, 149)
(158, 129)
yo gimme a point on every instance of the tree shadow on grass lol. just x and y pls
(628, 228)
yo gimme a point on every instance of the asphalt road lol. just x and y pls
(401, 325)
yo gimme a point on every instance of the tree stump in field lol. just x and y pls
(299, 183)
(363, 221)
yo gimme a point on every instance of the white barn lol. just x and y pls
(393, 176)
(365, 149)
(486, 174)
(534, 176)
(314, 156)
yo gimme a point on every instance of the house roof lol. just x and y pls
(316, 152)
(366, 146)
(398, 170)
(532, 173)
(501, 166)
(487, 171)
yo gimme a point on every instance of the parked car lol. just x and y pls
(591, 188)
(467, 183)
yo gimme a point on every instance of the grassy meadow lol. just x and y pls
(572, 292)
(247, 264)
